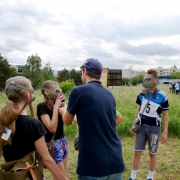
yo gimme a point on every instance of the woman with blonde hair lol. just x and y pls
(26, 133)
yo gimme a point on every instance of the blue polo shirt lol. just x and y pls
(100, 151)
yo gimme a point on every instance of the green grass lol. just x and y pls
(169, 153)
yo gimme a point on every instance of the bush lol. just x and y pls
(67, 86)
(174, 127)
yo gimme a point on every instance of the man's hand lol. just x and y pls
(62, 109)
(132, 131)
(164, 137)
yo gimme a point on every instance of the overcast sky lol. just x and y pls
(122, 34)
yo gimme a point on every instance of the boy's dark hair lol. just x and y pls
(153, 72)
(91, 74)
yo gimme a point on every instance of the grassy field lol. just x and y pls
(168, 167)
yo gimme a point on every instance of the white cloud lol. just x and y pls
(121, 34)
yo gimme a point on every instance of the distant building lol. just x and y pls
(129, 73)
(162, 72)
(168, 81)
(19, 68)
(167, 71)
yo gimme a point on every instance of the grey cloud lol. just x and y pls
(24, 19)
(5, 49)
(163, 61)
(21, 26)
(17, 44)
(96, 26)
(93, 51)
(100, 26)
(18, 61)
(149, 27)
(37, 37)
(149, 49)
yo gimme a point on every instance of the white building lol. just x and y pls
(129, 73)
(167, 71)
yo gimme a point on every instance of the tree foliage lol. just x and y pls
(67, 86)
(76, 76)
(32, 70)
(64, 75)
(175, 75)
(137, 80)
(6, 71)
(133, 81)
(125, 81)
(72, 74)
(47, 72)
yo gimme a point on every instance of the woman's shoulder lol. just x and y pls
(29, 123)
(41, 104)
(26, 119)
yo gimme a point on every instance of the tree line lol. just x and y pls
(34, 71)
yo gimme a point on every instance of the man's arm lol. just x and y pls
(66, 116)
(165, 131)
(119, 117)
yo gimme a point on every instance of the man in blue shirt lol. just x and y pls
(152, 102)
(100, 150)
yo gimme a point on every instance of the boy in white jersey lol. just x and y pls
(152, 102)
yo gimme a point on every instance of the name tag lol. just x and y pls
(6, 134)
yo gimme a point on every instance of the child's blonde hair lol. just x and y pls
(16, 89)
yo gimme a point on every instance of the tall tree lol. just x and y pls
(5, 71)
(64, 75)
(47, 72)
(32, 70)
(125, 81)
(76, 76)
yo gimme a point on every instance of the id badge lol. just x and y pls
(6, 134)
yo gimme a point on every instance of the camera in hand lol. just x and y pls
(137, 126)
